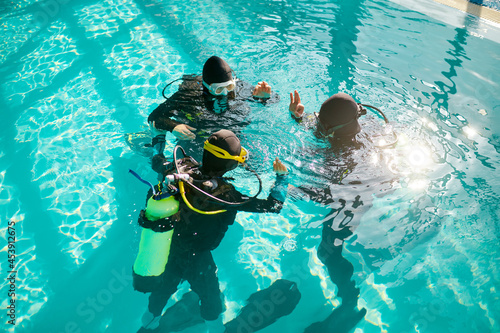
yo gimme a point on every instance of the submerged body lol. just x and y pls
(192, 105)
(196, 235)
(349, 193)
(202, 105)
(208, 205)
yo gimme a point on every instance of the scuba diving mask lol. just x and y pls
(222, 88)
(330, 132)
(221, 153)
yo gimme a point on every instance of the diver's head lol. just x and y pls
(217, 77)
(222, 152)
(338, 117)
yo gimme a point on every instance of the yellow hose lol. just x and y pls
(183, 195)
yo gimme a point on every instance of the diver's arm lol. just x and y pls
(158, 142)
(163, 124)
(247, 91)
(273, 203)
(161, 118)
(276, 198)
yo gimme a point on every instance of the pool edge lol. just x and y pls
(473, 9)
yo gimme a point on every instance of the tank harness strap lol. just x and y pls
(161, 225)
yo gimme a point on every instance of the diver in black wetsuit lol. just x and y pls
(197, 231)
(337, 118)
(337, 121)
(209, 102)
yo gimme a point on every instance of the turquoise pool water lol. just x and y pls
(78, 76)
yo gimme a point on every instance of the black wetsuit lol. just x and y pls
(194, 106)
(196, 235)
(349, 193)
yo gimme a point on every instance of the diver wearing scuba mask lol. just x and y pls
(202, 221)
(337, 117)
(339, 183)
(217, 77)
(201, 101)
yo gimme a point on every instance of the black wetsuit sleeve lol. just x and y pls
(162, 117)
(167, 115)
(307, 119)
(245, 91)
(273, 203)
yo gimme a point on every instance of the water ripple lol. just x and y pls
(71, 163)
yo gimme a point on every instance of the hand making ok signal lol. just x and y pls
(296, 108)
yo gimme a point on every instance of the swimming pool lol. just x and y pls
(79, 76)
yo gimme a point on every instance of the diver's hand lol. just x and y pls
(183, 132)
(296, 108)
(156, 131)
(262, 90)
(279, 167)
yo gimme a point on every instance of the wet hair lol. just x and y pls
(338, 110)
(216, 70)
(215, 166)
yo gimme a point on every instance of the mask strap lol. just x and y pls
(221, 153)
(336, 128)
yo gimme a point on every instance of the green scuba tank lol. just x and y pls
(154, 246)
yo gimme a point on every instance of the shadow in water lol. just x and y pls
(343, 49)
(340, 270)
(99, 292)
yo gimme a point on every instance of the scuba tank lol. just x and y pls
(157, 222)
(158, 218)
(154, 247)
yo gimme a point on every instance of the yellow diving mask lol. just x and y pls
(221, 153)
